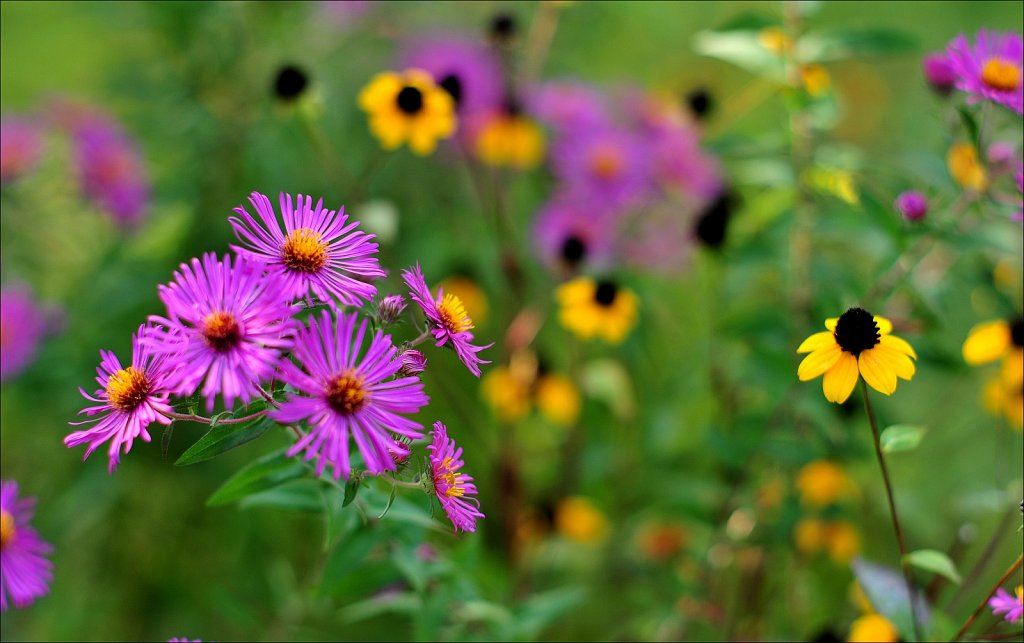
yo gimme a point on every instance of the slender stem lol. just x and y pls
(189, 417)
(399, 483)
(892, 512)
(538, 43)
(983, 560)
(268, 397)
(999, 583)
(1001, 637)
(422, 338)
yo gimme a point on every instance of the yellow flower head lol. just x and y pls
(408, 107)
(1006, 399)
(839, 538)
(592, 309)
(579, 519)
(993, 340)
(856, 343)
(873, 627)
(471, 295)
(965, 168)
(823, 483)
(510, 139)
(558, 399)
(815, 79)
(775, 40)
(506, 393)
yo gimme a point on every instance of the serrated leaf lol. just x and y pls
(264, 473)
(225, 437)
(901, 437)
(934, 561)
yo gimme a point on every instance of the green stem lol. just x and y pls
(399, 483)
(188, 417)
(892, 512)
(999, 583)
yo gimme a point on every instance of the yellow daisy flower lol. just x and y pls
(510, 139)
(408, 107)
(873, 627)
(596, 309)
(557, 399)
(856, 343)
(993, 340)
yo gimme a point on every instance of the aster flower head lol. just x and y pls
(568, 106)
(609, 164)
(226, 326)
(26, 573)
(110, 170)
(681, 166)
(408, 107)
(466, 69)
(571, 232)
(454, 489)
(389, 308)
(939, 73)
(318, 251)
(20, 148)
(912, 205)
(448, 320)
(413, 362)
(21, 328)
(990, 69)
(597, 309)
(856, 343)
(129, 400)
(343, 392)
(1011, 606)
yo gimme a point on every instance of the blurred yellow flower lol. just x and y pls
(510, 139)
(408, 107)
(965, 168)
(839, 538)
(873, 627)
(775, 40)
(558, 399)
(471, 296)
(822, 483)
(1006, 398)
(506, 393)
(579, 519)
(991, 341)
(816, 80)
(596, 309)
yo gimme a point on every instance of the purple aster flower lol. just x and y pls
(314, 251)
(225, 324)
(413, 362)
(342, 393)
(1012, 605)
(130, 400)
(449, 322)
(681, 166)
(453, 488)
(389, 309)
(110, 170)
(939, 73)
(608, 165)
(568, 106)
(25, 574)
(991, 69)
(466, 69)
(912, 205)
(20, 148)
(21, 328)
(572, 232)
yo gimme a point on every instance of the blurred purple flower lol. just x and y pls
(682, 167)
(912, 205)
(568, 106)
(110, 170)
(466, 69)
(453, 488)
(1012, 605)
(20, 148)
(939, 73)
(608, 165)
(660, 240)
(991, 68)
(25, 574)
(571, 233)
(22, 325)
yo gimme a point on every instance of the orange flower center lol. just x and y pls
(606, 163)
(1000, 74)
(221, 331)
(6, 529)
(453, 314)
(345, 393)
(127, 388)
(450, 478)
(304, 250)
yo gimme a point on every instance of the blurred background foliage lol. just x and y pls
(716, 427)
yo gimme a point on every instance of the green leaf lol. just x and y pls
(298, 495)
(901, 437)
(741, 48)
(970, 124)
(934, 561)
(352, 489)
(348, 555)
(264, 473)
(225, 437)
(391, 501)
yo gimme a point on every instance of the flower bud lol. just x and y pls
(912, 205)
(938, 73)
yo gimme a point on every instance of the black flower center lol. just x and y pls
(503, 27)
(605, 293)
(856, 331)
(573, 250)
(712, 224)
(451, 84)
(290, 82)
(410, 100)
(1017, 332)
(511, 107)
(700, 102)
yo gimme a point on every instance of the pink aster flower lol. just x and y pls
(313, 253)
(25, 574)
(939, 74)
(110, 170)
(342, 394)
(225, 324)
(452, 487)
(1012, 605)
(609, 165)
(130, 399)
(449, 322)
(991, 68)
(20, 148)
(21, 328)
(568, 106)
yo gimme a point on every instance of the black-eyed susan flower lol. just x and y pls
(290, 82)
(510, 138)
(1001, 340)
(408, 107)
(856, 343)
(592, 309)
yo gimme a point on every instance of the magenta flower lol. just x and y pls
(991, 69)
(912, 205)
(314, 251)
(1012, 605)
(25, 574)
(389, 309)
(568, 106)
(448, 320)
(130, 400)
(452, 487)
(342, 393)
(571, 233)
(225, 324)
(609, 165)
(468, 70)
(21, 327)
(939, 73)
(413, 362)
(110, 170)
(20, 148)
(682, 167)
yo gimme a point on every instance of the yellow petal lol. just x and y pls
(1012, 370)
(877, 372)
(389, 129)
(381, 89)
(422, 140)
(884, 325)
(899, 362)
(897, 344)
(839, 380)
(816, 341)
(831, 322)
(818, 362)
(986, 342)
